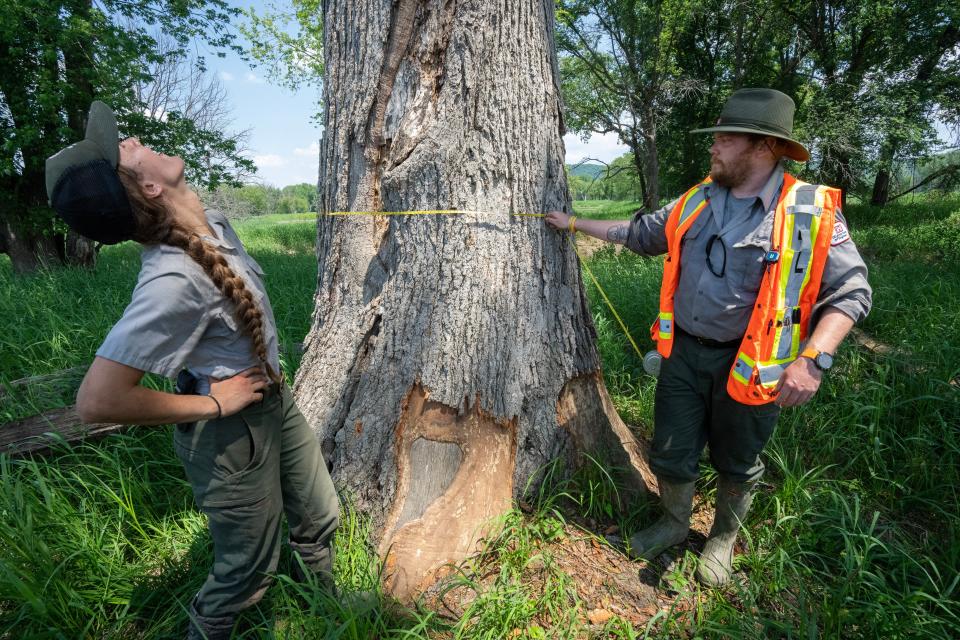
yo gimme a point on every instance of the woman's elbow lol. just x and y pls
(90, 407)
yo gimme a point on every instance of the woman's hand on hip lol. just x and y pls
(240, 391)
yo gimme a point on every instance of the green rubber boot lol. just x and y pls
(716, 561)
(672, 527)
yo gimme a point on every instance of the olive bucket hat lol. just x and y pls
(83, 185)
(766, 112)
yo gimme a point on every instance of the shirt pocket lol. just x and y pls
(223, 323)
(747, 262)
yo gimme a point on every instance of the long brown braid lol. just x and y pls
(155, 225)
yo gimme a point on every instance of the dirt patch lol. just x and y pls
(588, 245)
(607, 582)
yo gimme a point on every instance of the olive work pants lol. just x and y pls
(247, 470)
(692, 409)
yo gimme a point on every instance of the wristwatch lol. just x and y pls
(821, 359)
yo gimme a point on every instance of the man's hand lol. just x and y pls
(238, 392)
(558, 220)
(798, 382)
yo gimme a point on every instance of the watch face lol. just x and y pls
(824, 361)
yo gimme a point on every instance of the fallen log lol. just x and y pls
(39, 433)
(64, 377)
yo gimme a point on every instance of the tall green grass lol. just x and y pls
(854, 533)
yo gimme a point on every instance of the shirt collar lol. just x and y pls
(772, 188)
(217, 223)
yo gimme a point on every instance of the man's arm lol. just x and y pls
(844, 299)
(801, 379)
(615, 231)
(644, 234)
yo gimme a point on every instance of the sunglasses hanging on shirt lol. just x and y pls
(723, 265)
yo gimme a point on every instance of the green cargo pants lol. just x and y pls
(692, 409)
(246, 470)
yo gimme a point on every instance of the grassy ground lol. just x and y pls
(854, 534)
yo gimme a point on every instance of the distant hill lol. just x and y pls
(587, 170)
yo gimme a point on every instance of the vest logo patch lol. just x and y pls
(840, 233)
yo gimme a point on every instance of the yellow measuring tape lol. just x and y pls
(453, 212)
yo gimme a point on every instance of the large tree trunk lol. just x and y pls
(28, 251)
(881, 183)
(450, 356)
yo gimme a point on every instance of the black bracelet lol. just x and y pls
(219, 408)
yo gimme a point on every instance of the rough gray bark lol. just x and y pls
(450, 356)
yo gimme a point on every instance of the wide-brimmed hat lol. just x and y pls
(83, 185)
(765, 112)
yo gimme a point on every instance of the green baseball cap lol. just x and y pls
(83, 185)
(765, 112)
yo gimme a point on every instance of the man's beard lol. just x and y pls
(730, 174)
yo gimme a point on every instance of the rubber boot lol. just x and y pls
(208, 628)
(733, 502)
(318, 558)
(671, 529)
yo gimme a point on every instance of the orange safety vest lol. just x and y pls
(780, 322)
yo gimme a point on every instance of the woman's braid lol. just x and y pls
(156, 226)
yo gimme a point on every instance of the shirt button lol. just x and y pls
(696, 318)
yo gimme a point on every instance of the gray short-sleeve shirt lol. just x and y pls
(178, 319)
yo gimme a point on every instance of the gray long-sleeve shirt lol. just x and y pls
(719, 308)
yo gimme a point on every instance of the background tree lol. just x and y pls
(618, 75)
(871, 79)
(179, 84)
(55, 58)
(450, 357)
(288, 43)
(913, 90)
(308, 192)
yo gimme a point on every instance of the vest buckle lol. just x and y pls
(771, 257)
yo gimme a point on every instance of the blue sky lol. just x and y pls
(284, 141)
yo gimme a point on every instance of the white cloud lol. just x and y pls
(293, 169)
(313, 150)
(254, 78)
(160, 114)
(605, 147)
(226, 76)
(269, 160)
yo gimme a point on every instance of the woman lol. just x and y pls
(200, 314)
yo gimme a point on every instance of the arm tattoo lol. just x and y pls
(617, 234)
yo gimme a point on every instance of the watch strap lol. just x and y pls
(810, 352)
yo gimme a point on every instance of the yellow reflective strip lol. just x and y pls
(736, 376)
(666, 315)
(686, 198)
(603, 294)
(750, 361)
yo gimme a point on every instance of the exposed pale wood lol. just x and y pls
(33, 434)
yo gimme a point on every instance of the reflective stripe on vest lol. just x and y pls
(780, 321)
(803, 224)
(682, 216)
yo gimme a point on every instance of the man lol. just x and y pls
(761, 284)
